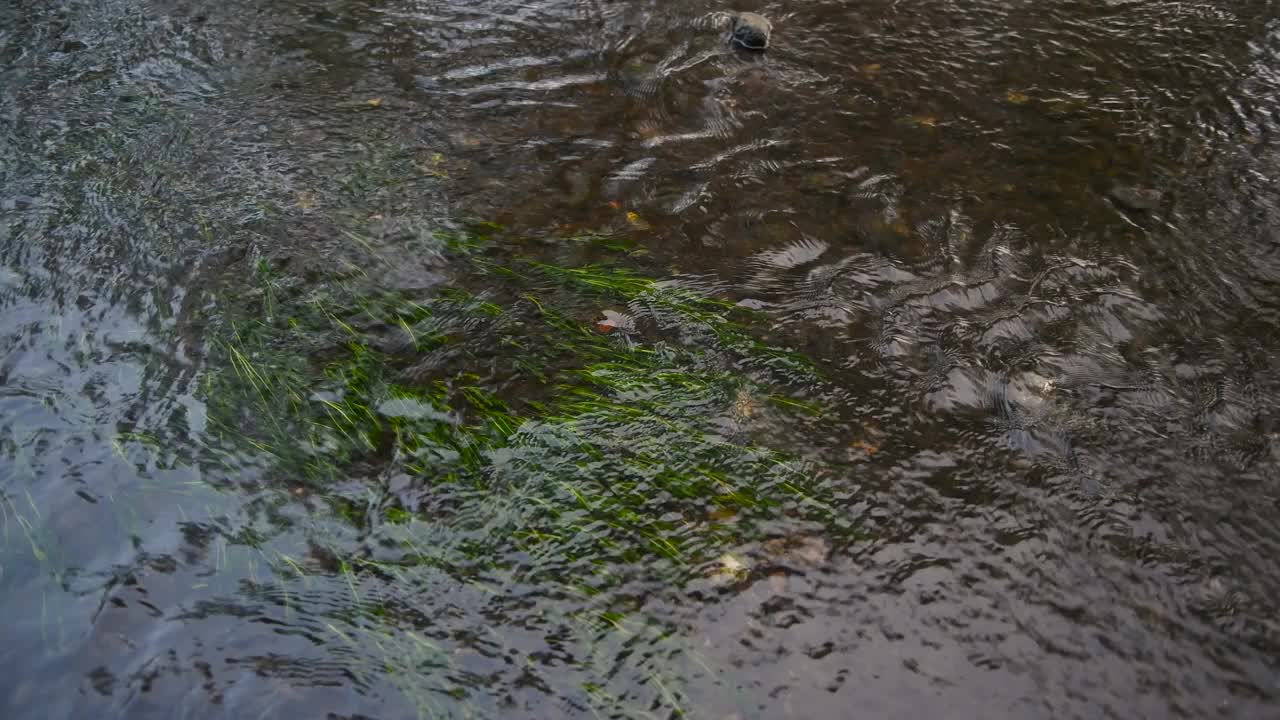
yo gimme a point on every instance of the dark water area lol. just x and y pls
(556, 359)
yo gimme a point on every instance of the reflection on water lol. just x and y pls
(903, 401)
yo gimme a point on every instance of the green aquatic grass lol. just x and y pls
(545, 452)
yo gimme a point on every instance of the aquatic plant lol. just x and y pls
(501, 439)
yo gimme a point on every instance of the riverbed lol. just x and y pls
(557, 358)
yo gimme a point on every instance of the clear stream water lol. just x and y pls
(1014, 453)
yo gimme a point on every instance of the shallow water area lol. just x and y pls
(558, 359)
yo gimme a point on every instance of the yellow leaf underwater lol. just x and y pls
(374, 102)
(720, 514)
(731, 565)
(1016, 97)
(433, 166)
(744, 405)
(637, 222)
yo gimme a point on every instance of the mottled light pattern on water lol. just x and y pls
(385, 359)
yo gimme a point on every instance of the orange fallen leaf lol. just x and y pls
(615, 204)
(925, 120)
(866, 446)
(614, 320)
(648, 130)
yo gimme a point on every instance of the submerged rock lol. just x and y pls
(1135, 198)
(751, 30)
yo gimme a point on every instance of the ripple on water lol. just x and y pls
(1046, 441)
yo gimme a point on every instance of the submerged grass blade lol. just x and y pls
(584, 460)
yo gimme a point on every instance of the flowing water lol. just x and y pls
(553, 358)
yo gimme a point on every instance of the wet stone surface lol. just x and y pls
(1136, 198)
(751, 30)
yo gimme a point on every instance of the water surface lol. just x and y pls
(900, 407)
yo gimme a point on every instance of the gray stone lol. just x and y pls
(751, 31)
(1135, 198)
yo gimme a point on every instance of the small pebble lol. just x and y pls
(751, 30)
(17, 202)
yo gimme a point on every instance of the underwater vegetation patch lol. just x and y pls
(490, 434)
